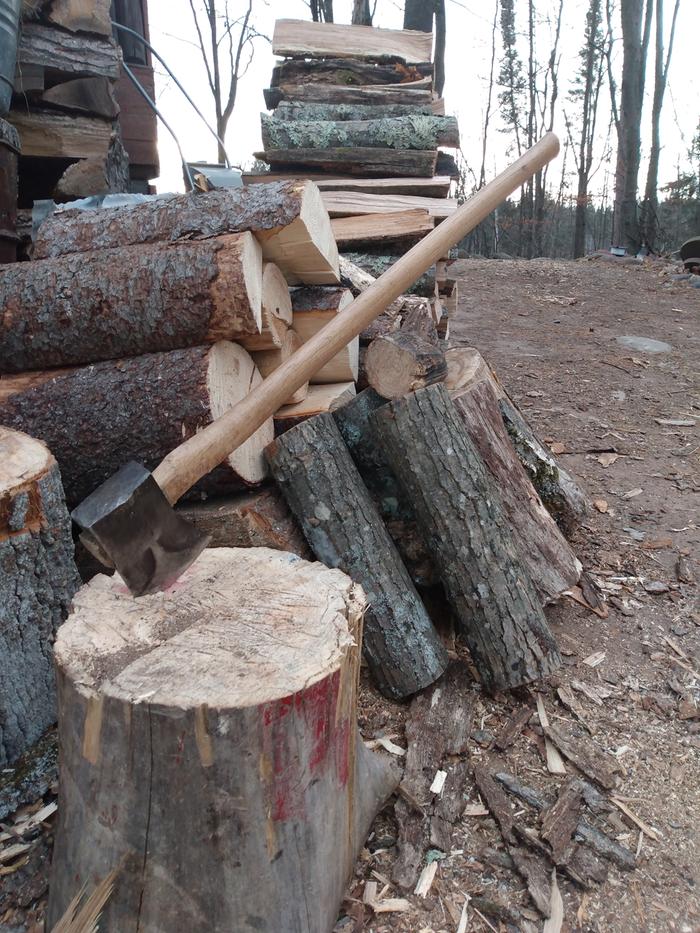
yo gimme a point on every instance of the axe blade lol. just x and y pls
(128, 524)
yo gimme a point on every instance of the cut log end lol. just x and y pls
(23, 462)
(399, 363)
(238, 288)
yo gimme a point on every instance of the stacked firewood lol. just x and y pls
(354, 109)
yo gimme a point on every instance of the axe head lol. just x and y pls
(128, 524)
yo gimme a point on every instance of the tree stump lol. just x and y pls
(315, 472)
(97, 418)
(38, 578)
(209, 748)
(459, 508)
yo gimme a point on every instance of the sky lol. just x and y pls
(467, 57)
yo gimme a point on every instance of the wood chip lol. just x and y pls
(607, 460)
(425, 882)
(640, 824)
(554, 922)
(464, 918)
(14, 851)
(593, 660)
(369, 895)
(676, 422)
(555, 764)
(633, 493)
(438, 782)
(584, 755)
(475, 809)
(512, 728)
(389, 746)
(391, 905)
(496, 800)
(600, 505)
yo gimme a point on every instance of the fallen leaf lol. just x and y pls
(607, 460)
(633, 493)
(600, 505)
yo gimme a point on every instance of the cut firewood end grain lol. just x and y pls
(556, 908)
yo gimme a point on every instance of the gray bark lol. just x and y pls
(414, 132)
(293, 110)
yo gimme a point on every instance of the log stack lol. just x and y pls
(353, 107)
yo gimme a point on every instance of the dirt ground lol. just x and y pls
(550, 329)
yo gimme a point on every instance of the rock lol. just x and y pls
(656, 587)
(645, 344)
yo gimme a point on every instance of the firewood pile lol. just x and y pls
(354, 108)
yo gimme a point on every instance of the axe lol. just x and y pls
(128, 522)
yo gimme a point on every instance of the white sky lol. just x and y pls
(467, 69)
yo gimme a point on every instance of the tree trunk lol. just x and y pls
(97, 418)
(259, 518)
(361, 13)
(377, 265)
(496, 604)
(418, 14)
(125, 302)
(313, 308)
(394, 507)
(37, 583)
(287, 217)
(345, 71)
(293, 110)
(245, 793)
(414, 132)
(403, 362)
(324, 490)
(543, 549)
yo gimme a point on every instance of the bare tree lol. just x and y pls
(361, 13)
(418, 14)
(635, 41)
(321, 11)
(489, 99)
(650, 204)
(226, 44)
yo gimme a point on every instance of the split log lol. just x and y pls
(288, 218)
(232, 698)
(83, 179)
(348, 203)
(128, 301)
(417, 318)
(82, 15)
(297, 38)
(347, 72)
(414, 93)
(86, 95)
(259, 518)
(53, 134)
(276, 308)
(293, 110)
(414, 132)
(315, 472)
(403, 362)
(320, 398)
(354, 160)
(376, 265)
(544, 551)
(431, 188)
(99, 417)
(312, 309)
(37, 583)
(494, 599)
(558, 489)
(396, 510)
(267, 362)
(357, 280)
(398, 229)
(68, 54)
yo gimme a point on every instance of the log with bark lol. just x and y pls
(432, 188)
(231, 700)
(55, 134)
(413, 93)
(376, 265)
(491, 593)
(319, 398)
(544, 551)
(302, 39)
(276, 311)
(414, 132)
(397, 229)
(396, 510)
(319, 480)
(399, 363)
(64, 53)
(363, 161)
(346, 71)
(127, 301)
(97, 418)
(313, 308)
(417, 318)
(293, 110)
(258, 518)
(37, 583)
(287, 217)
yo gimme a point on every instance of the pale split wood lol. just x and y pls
(293, 37)
(267, 362)
(319, 398)
(434, 188)
(350, 203)
(312, 310)
(52, 134)
(382, 227)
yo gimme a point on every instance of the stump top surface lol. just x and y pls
(242, 626)
(23, 459)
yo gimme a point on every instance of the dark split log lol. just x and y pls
(351, 160)
(399, 363)
(38, 578)
(324, 490)
(73, 55)
(396, 510)
(287, 217)
(377, 265)
(543, 549)
(340, 94)
(131, 300)
(494, 599)
(99, 417)
(209, 748)
(292, 110)
(414, 132)
(346, 72)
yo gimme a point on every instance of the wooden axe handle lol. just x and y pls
(183, 466)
